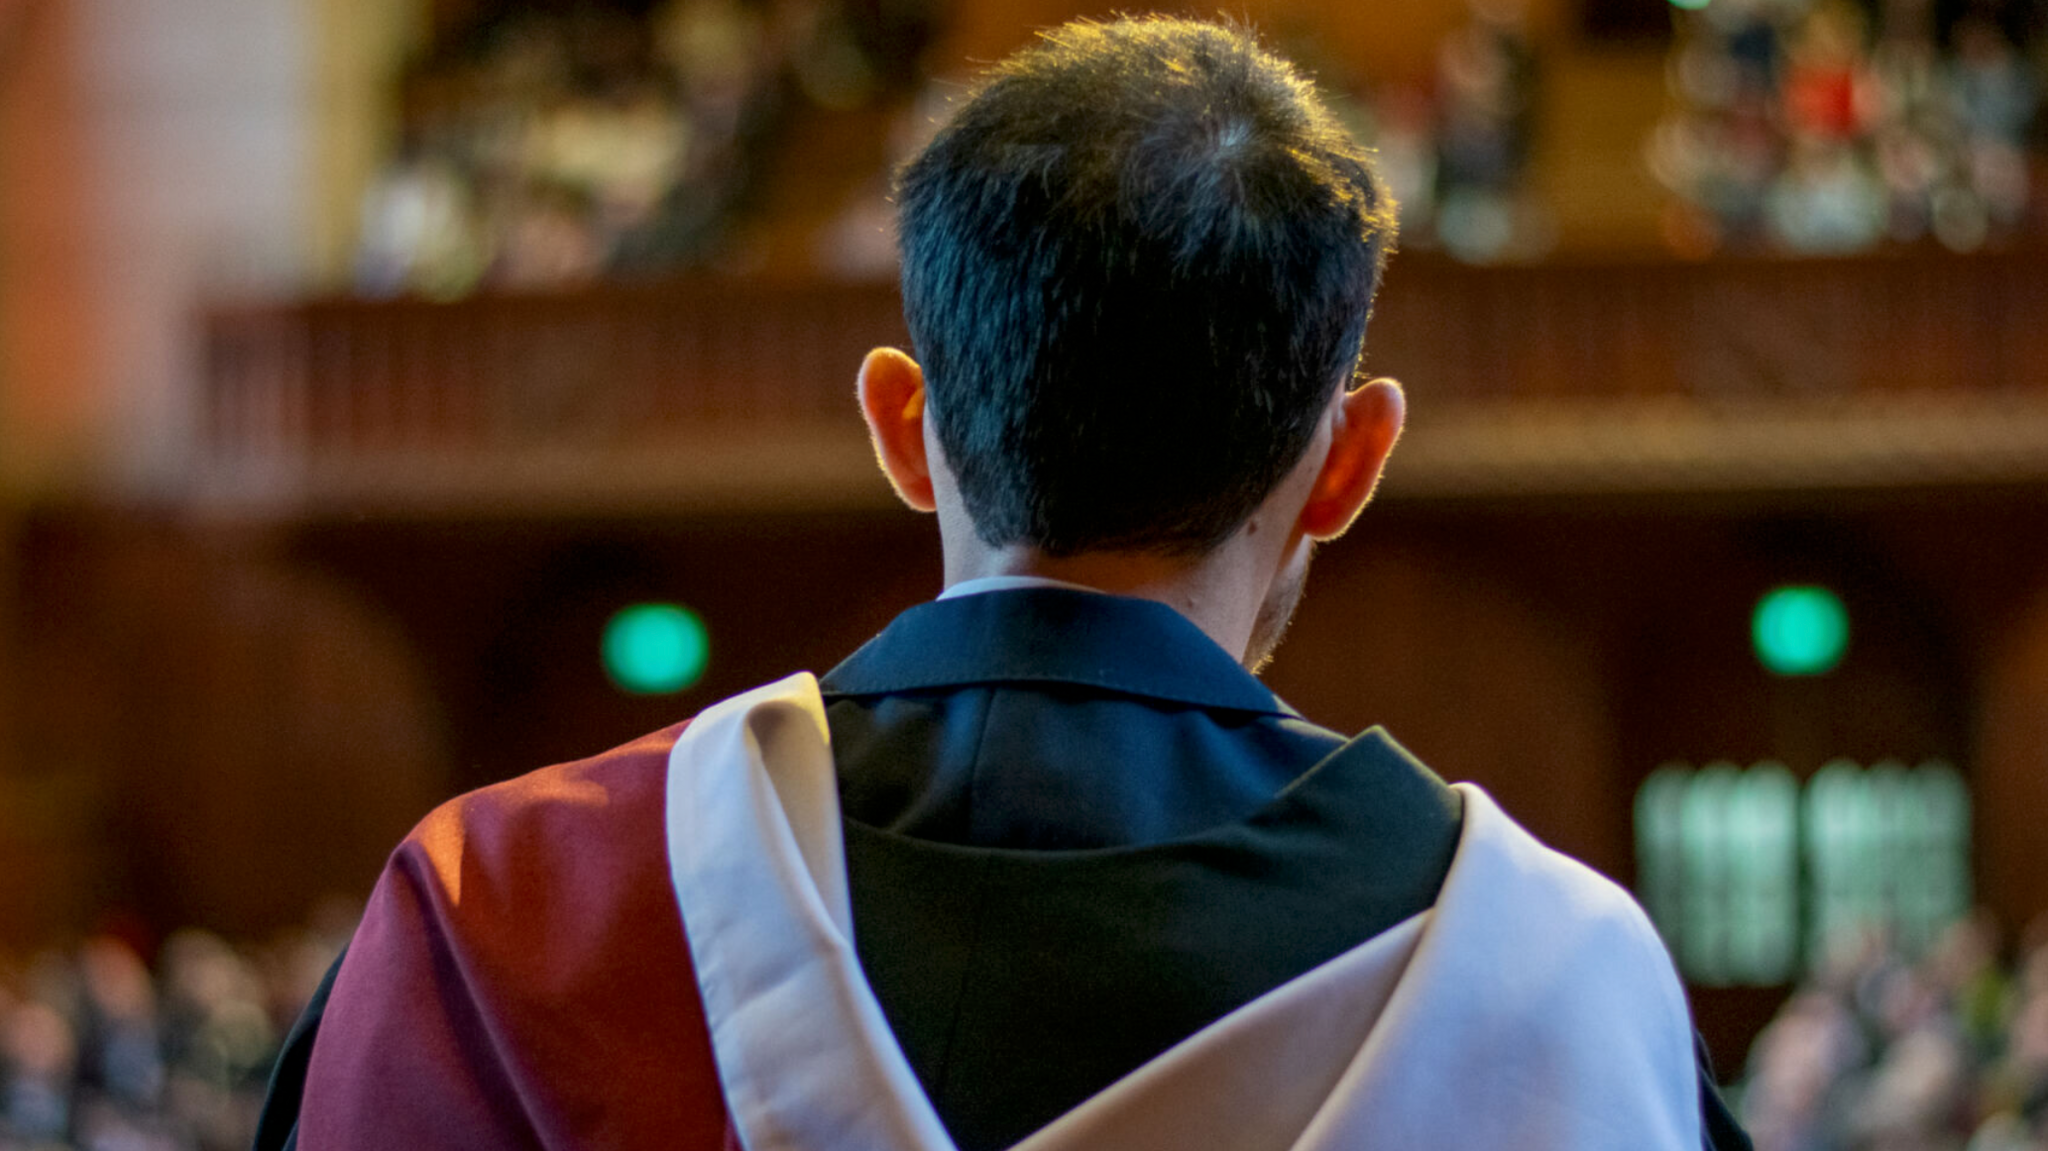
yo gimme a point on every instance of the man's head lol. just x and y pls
(1136, 265)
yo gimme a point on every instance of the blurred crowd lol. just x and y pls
(1877, 1052)
(100, 1053)
(553, 144)
(1814, 126)
(550, 144)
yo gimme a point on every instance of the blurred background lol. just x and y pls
(399, 395)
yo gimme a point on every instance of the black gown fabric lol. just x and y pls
(1078, 831)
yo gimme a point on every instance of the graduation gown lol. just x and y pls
(1531, 1007)
(523, 977)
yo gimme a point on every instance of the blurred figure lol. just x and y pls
(1792, 1069)
(1998, 97)
(218, 1038)
(1826, 200)
(1486, 127)
(41, 1056)
(121, 1068)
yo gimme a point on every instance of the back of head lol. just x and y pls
(1136, 264)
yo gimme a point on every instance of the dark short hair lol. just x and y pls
(1136, 264)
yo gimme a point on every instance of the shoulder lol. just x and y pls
(541, 883)
(559, 834)
(1554, 972)
(1561, 911)
(1564, 944)
(1575, 901)
(521, 970)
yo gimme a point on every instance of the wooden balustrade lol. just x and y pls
(1555, 378)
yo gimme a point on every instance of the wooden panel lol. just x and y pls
(209, 736)
(2012, 785)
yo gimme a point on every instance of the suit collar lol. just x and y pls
(1052, 635)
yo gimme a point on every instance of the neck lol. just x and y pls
(1219, 592)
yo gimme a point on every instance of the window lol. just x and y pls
(1748, 873)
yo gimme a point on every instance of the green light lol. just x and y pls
(1800, 630)
(655, 648)
(1689, 5)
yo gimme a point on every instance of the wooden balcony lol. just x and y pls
(1762, 376)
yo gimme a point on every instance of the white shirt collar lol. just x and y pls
(1010, 583)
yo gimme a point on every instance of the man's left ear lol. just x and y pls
(1364, 424)
(891, 387)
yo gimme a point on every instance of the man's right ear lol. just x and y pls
(892, 401)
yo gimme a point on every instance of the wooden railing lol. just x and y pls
(1719, 332)
(1541, 379)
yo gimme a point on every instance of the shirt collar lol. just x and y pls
(1010, 583)
(1041, 634)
